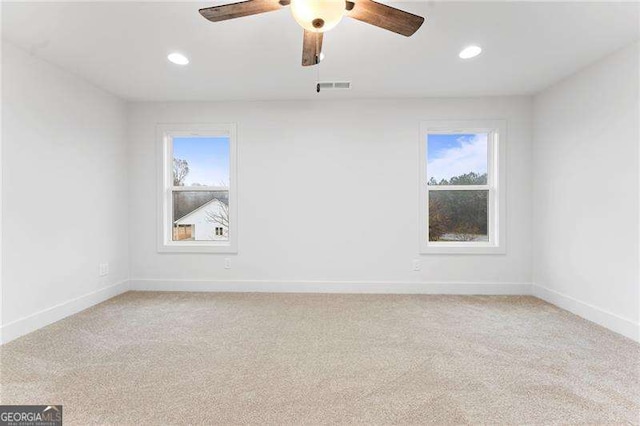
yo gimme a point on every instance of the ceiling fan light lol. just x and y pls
(470, 52)
(178, 58)
(317, 16)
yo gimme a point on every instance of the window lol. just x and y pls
(198, 189)
(462, 206)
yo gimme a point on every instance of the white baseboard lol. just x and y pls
(55, 313)
(589, 312)
(370, 287)
(40, 319)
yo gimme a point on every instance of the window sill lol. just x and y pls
(457, 248)
(227, 248)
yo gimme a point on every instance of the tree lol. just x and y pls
(463, 214)
(438, 220)
(221, 216)
(180, 171)
(471, 178)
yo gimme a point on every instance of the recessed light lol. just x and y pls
(178, 59)
(470, 52)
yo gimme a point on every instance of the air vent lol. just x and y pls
(326, 85)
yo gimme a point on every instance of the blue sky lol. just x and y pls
(456, 154)
(208, 159)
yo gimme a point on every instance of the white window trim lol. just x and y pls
(496, 184)
(165, 243)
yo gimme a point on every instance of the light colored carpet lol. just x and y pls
(178, 358)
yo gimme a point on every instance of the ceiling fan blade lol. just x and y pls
(386, 17)
(238, 10)
(311, 48)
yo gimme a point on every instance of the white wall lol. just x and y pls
(329, 192)
(64, 192)
(586, 192)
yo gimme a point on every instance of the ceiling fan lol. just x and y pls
(318, 16)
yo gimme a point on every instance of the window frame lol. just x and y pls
(165, 135)
(496, 185)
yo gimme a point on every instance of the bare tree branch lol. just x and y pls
(221, 217)
(180, 171)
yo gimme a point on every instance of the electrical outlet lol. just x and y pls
(103, 269)
(227, 263)
(417, 266)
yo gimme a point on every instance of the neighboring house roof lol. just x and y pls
(185, 202)
(203, 207)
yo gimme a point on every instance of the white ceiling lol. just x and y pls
(122, 47)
